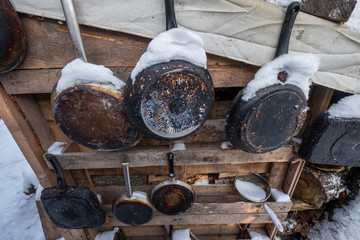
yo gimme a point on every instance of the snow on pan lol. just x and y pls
(299, 68)
(348, 107)
(174, 44)
(250, 190)
(79, 72)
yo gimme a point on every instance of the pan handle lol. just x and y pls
(170, 157)
(170, 15)
(60, 177)
(125, 165)
(73, 25)
(283, 44)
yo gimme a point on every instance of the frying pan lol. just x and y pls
(91, 114)
(255, 188)
(71, 207)
(172, 197)
(332, 141)
(170, 100)
(133, 208)
(12, 38)
(274, 115)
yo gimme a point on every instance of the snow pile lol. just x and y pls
(225, 145)
(290, 223)
(345, 224)
(108, 235)
(347, 107)
(79, 72)
(19, 216)
(283, 3)
(274, 218)
(56, 147)
(250, 191)
(174, 44)
(299, 68)
(353, 23)
(202, 183)
(178, 147)
(181, 234)
(280, 196)
(257, 236)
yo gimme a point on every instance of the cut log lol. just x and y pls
(317, 187)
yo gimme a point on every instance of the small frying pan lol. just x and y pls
(272, 117)
(71, 207)
(133, 208)
(333, 140)
(12, 38)
(255, 188)
(170, 100)
(172, 197)
(91, 114)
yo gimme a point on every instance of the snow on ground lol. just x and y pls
(19, 216)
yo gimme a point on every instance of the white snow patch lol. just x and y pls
(296, 140)
(283, 3)
(203, 182)
(347, 107)
(174, 44)
(181, 234)
(62, 238)
(19, 215)
(108, 235)
(299, 68)
(290, 223)
(38, 192)
(56, 147)
(274, 218)
(178, 147)
(250, 190)
(225, 145)
(99, 197)
(280, 196)
(29, 179)
(257, 236)
(353, 24)
(344, 224)
(79, 72)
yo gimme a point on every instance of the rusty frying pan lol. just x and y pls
(71, 207)
(170, 100)
(91, 114)
(12, 38)
(133, 208)
(172, 197)
(333, 140)
(272, 117)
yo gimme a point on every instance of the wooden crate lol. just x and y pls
(25, 107)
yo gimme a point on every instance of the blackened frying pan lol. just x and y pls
(12, 38)
(332, 141)
(172, 197)
(91, 114)
(71, 207)
(272, 117)
(133, 208)
(170, 100)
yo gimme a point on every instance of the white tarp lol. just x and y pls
(244, 30)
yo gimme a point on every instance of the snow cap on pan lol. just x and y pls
(299, 68)
(174, 44)
(348, 107)
(79, 72)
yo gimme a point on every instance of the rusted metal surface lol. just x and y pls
(12, 38)
(169, 101)
(95, 117)
(267, 121)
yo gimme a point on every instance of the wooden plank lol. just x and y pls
(204, 219)
(25, 138)
(49, 229)
(140, 158)
(292, 176)
(221, 229)
(143, 231)
(277, 174)
(33, 114)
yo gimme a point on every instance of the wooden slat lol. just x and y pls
(94, 160)
(204, 219)
(277, 174)
(293, 175)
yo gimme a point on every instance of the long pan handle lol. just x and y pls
(170, 15)
(283, 44)
(73, 25)
(125, 165)
(60, 177)
(170, 157)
